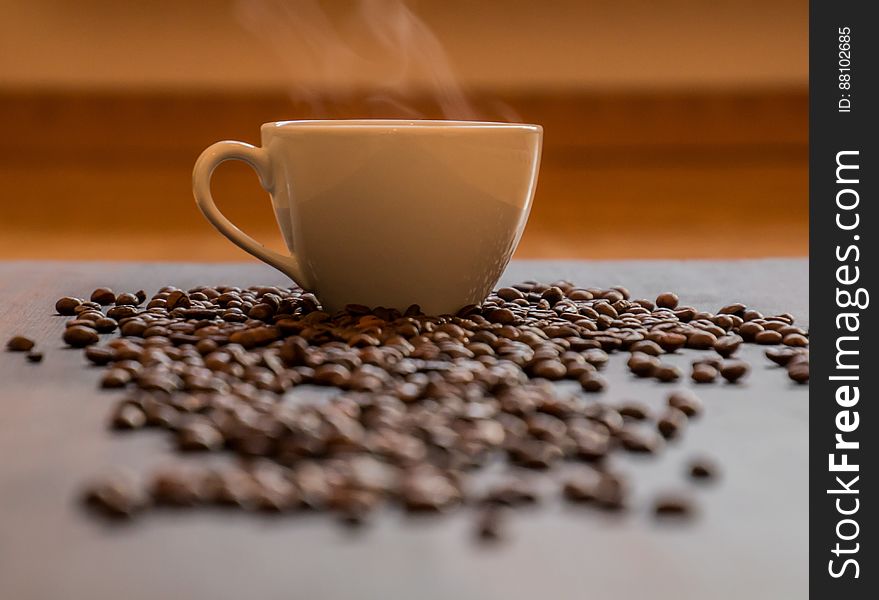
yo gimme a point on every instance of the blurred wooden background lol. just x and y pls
(673, 129)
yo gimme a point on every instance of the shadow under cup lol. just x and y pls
(395, 213)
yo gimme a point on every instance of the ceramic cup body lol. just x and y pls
(389, 213)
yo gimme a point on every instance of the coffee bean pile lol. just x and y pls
(417, 403)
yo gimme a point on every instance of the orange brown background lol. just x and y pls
(673, 129)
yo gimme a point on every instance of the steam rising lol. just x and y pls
(375, 36)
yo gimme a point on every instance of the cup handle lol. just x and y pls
(258, 159)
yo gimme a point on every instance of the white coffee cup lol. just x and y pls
(386, 212)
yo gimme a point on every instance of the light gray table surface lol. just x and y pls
(750, 539)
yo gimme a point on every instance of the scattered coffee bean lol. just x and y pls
(796, 340)
(672, 422)
(685, 401)
(175, 487)
(127, 299)
(581, 487)
(411, 404)
(643, 365)
(702, 469)
(646, 347)
(103, 296)
(105, 325)
(513, 493)
(34, 356)
(667, 373)
(673, 505)
(732, 370)
(768, 337)
(727, 345)
(592, 382)
(115, 378)
(610, 492)
(703, 373)
(667, 300)
(799, 372)
(198, 434)
(634, 410)
(67, 306)
(781, 356)
(701, 340)
(737, 309)
(489, 525)
(671, 342)
(19, 343)
(639, 440)
(509, 294)
(79, 336)
(128, 416)
(749, 331)
(118, 495)
(99, 355)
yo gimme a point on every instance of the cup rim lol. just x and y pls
(397, 123)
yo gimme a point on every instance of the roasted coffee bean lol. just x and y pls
(768, 337)
(489, 526)
(553, 295)
(581, 487)
(644, 441)
(685, 401)
(128, 416)
(781, 356)
(426, 490)
(549, 369)
(704, 373)
(115, 378)
(643, 365)
(127, 299)
(67, 306)
(596, 357)
(667, 300)
(19, 343)
(749, 331)
(667, 373)
(727, 345)
(99, 355)
(592, 382)
(175, 487)
(121, 312)
(671, 423)
(105, 325)
(515, 492)
(509, 294)
(701, 340)
(799, 372)
(634, 410)
(590, 444)
(103, 296)
(732, 370)
(796, 340)
(737, 309)
(671, 342)
(79, 336)
(673, 505)
(610, 492)
(702, 469)
(648, 347)
(504, 316)
(332, 374)
(117, 495)
(198, 434)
